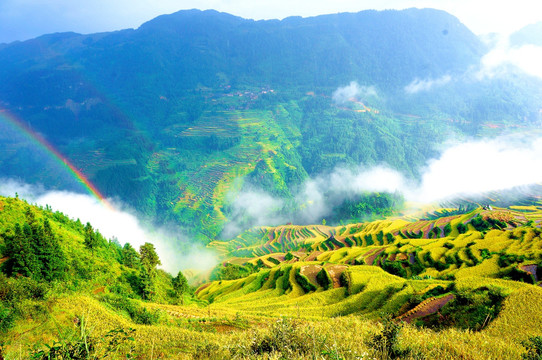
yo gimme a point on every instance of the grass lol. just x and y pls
(328, 307)
(264, 337)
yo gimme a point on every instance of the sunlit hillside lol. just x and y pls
(465, 285)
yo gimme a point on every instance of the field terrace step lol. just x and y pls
(310, 271)
(426, 307)
(335, 272)
(401, 257)
(370, 260)
(531, 269)
(313, 255)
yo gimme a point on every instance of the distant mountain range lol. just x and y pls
(167, 117)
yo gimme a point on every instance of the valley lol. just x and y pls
(348, 186)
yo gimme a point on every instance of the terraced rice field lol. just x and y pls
(427, 307)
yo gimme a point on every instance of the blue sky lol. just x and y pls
(24, 19)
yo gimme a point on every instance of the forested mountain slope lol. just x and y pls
(169, 116)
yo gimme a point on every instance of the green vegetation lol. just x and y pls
(175, 150)
(534, 348)
(465, 287)
(50, 257)
(177, 127)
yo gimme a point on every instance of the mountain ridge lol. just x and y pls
(148, 114)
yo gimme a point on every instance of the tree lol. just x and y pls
(149, 257)
(34, 251)
(130, 257)
(149, 260)
(180, 286)
(51, 255)
(22, 259)
(91, 240)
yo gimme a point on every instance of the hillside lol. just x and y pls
(49, 262)
(472, 269)
(178, 116)
(390, 288)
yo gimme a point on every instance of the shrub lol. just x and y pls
(394, 268)
(447, 229)
(385, 343)
(458, 260)
(284, 338)
(471, 310)
(380, 237)
(506, 260)
(359, 261)
(230, 272)
(139, 314)
(449, 260)
(534, 348)
(7, 318)
(485, 254)
(344, 279)
(483, 224)
(428, 259)
(390, 238)
(355, 229)
(26, 288)
(516, 274)
(82, 345)
(440, 266)
(462, 228)
(286, 279)
(304, 282)
(324, 279)
(470, 255)
(208, 351)
(275, 277)
(417, 267)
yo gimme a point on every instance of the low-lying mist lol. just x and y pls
(463, 169)
(175, 249)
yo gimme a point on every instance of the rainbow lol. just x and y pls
(40, 141)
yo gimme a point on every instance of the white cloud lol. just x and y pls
(117, 222)
(468, 168)
(480, 166)
(497, 62)
(251, 208)
(353, 91)
(319, 195)
(418, 85)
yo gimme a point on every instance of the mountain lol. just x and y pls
(177, 117)
(208, 48)
(529, 35)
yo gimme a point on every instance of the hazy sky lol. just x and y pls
(24, 19)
